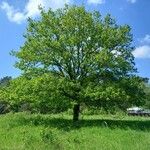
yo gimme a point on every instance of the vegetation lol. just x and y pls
(88, 59)
(4, 104)
(147, 91)
(73, 58)
(42, 132)
(5, 81)
(36, 95)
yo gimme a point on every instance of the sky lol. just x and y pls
(13, 23)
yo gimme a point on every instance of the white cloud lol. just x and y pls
(132, 1)
(31, 9)
(145, 40)
(12, 14)
(96, 1)
(142, 52)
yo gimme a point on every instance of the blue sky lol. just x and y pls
(13, 15)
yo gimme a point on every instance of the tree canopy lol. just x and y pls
(89, 57)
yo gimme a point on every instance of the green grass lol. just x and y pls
(24, 131)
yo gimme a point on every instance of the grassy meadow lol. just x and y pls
(24, 131)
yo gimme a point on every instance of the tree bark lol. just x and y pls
(76, 111)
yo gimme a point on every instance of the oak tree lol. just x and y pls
(89, 55)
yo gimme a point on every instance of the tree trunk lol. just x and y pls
(76, 111)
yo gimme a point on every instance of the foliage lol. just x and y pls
(89, 57)
(147, 91)
(4, 84)
(39, 93)
(127, 92)
(5, 81)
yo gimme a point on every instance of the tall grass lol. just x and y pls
(24, 131)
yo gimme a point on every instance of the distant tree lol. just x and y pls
(4, 84)
(89, 58)
(145, 80)
(147, 91)
(5, 81)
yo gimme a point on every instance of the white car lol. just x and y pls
(137, 111)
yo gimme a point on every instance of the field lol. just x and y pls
(24, 131)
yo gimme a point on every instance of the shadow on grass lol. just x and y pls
(67, 125)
